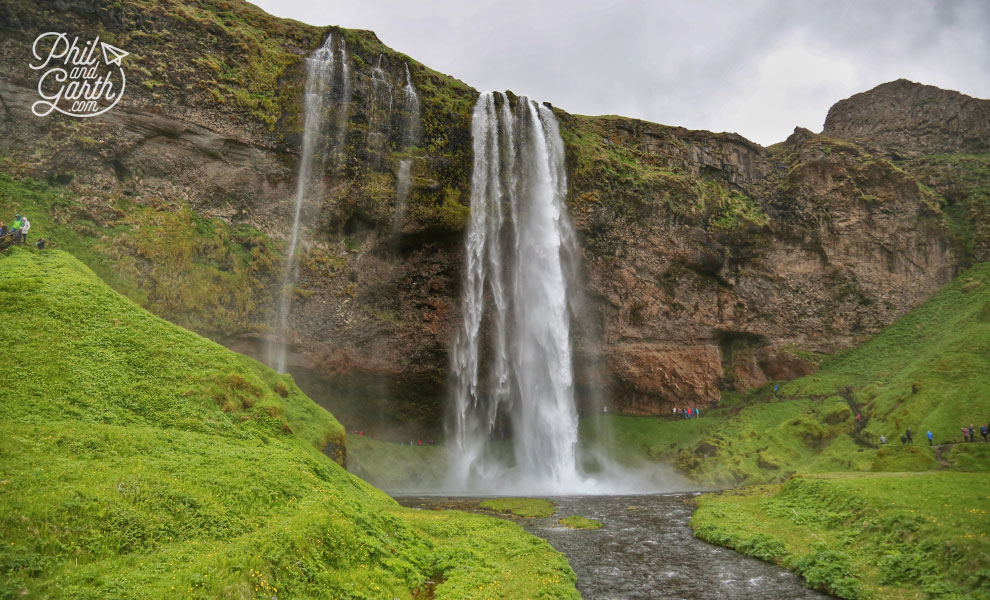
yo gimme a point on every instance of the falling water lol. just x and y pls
(345, 97)
(410, 108)
(319, 72)
(410, 137)
(516, 270)
(403, 183)
(379, 110)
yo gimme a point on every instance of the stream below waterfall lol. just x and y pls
(645, 550)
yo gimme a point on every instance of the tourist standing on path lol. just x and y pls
(25, 225)
(883, 439)
(965, 434)
(15, 229)
(908, 434)
(972, 433)
(930, 436)
(983, 432)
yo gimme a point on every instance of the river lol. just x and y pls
(645, 550)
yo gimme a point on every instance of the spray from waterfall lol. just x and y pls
(319, 79)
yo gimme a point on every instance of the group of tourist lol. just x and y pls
(687, 413)
(17, 232)
(969, 435)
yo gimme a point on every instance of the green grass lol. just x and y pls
(521, 507)
(926, 371)
(203, 274)
(140, 460)
(579, 522)
(864, 535)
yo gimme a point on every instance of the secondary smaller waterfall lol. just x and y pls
(410, 109)
(320, 67)
(379, 109)
(403, 183)
(410, 137)
(345, 99)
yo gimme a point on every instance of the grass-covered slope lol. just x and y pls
(926, 371)
(138, 460)
(202, 273)
(862, 535)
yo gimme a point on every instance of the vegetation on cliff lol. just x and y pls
(141, 460)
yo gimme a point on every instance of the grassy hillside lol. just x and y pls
(927, 371)
(860, 535)
(204, 274)
(142, 461)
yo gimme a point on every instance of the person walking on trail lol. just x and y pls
(908, 434)
(929, 436)
(984, 432)
(883, 439)
(972, 433)
(25, 226)
(965, 433)
(15, 229)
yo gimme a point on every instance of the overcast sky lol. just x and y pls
(755, 67)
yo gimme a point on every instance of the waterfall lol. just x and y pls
(345, 98)
(410, 137)
(511, 360)
(379, 112)
(403, 183)
(319, 75)
(410, 108)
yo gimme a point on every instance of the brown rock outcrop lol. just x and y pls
(906, 119)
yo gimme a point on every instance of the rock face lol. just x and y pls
(906, 119)
(711, 262)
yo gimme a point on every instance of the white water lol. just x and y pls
(319, 72)
(514, 271)
(379, 112)
(410, 137)
(345, 98)
(410, 108)
(514, 422)
(403, 183)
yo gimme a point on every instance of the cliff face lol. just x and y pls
(711, 262)
(903, 119)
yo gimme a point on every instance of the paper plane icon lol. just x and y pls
(113, 51)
